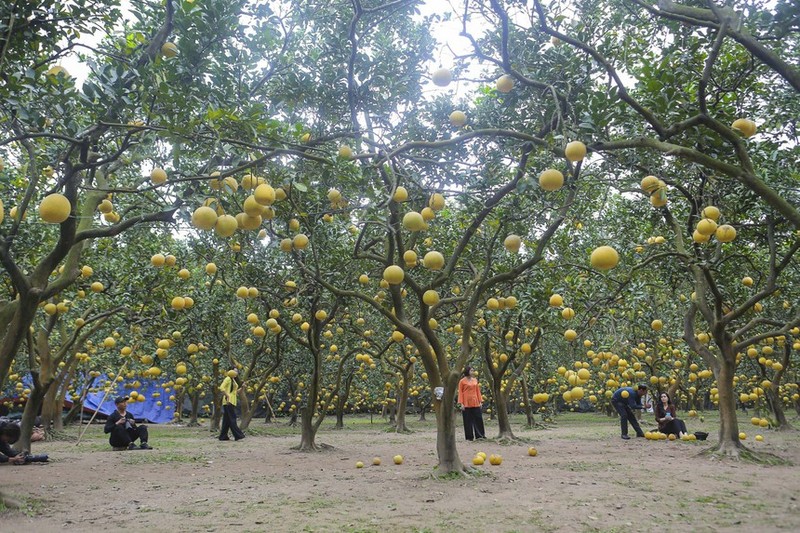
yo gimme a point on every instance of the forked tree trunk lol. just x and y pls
(30, 412)
(775, 405)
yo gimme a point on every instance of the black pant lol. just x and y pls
(473, 423)
(121, 436)
(626, 415)
(675, 426)
(229, 423)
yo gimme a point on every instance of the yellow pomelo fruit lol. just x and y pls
(436, 202)
(604, 258)
(442, 77)
(345, 152)
(433, 260)
(400, 194)
(656, 325)
(300, 241)
(264, 194)
(649, 184)
(726, 233)
(458, 118)
(251, 207)
(706, 226)
(711, 212)
(58, 70)
(556, 300)
(105, 206)
(575, 151)
(699, 237)
(430, 297)
(744, 126)
(512, 243)
(393, 274)
(659, 197)
(158, 176)
(169, 50)
(551, 180)
(204, 218)
(211, 269)
(226, 225)
(158, 260)
(55, 208)
(504, 84)
(410, 257)
(413, 221)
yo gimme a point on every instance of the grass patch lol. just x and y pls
(139, 457)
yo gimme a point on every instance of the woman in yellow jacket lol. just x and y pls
(470, 401)
(230, 397)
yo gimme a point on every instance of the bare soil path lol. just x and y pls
(585, 478)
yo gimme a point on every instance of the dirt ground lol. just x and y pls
(585, 478)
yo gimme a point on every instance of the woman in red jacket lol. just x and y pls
(470, 401)
(665, 416)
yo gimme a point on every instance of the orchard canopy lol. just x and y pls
(352, 200)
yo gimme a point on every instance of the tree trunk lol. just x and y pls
(246, 410)
(501, 407)
(774, 402)
(61, 395)
(729, 443)
(423, 406)
(527, 399)
(449, 461)
(31, 411)
(400, 425)
(52, 407)
(308, 432)
(195, 397)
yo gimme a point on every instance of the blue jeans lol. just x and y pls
(626, 415)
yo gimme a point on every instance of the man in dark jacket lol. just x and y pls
(123, 428)
(625, 400)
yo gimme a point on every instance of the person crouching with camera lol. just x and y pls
(9, 434)
(123, 428)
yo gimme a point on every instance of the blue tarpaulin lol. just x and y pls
(148, 409)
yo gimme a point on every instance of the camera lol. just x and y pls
(36, 458)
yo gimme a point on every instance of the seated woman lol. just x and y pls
(668, 423)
